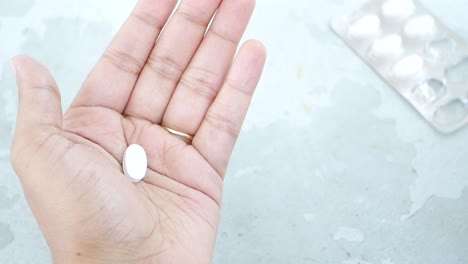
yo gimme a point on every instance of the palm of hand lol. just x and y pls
(70, 166)
(179, 198)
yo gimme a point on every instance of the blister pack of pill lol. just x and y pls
(416, 54)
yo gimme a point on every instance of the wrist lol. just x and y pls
(78, 257)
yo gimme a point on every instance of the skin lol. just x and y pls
(70, 164)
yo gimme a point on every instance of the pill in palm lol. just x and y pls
(135, 163)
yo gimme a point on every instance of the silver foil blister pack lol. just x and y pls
(416, 54)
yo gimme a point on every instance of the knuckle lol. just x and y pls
(44, 89)
(166, 67)
(194, 16)
(123, 61)
(148, 19)
(47, 88)
(201, 82)
(223, 123)
(223, 36)
(238, 86)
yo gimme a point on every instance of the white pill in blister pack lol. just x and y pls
(410, 67)
(397, 10)
(416, 54)
(420, 28)
(365, 27)
(385, 48)
(135, 163)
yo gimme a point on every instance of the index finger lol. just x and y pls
(112, 80)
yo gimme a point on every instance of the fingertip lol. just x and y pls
(254, 4)
(20, 57)
(39, 97)
(258, 46)
(29, 70)
(256, 50)
(13, 67)
(16, 63)
(250, 4)
(19, 60)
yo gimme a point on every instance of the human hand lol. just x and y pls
(70, 165)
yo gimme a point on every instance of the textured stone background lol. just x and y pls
(332, 166)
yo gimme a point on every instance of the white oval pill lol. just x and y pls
(387, 47)
(397, 10)
(365, 27)
(135, 163)
(410, 67)
(421, 27)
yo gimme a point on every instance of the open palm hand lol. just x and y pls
(71, 165)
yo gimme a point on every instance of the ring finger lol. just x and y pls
(205, 75)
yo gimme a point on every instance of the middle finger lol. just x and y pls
(169, 59)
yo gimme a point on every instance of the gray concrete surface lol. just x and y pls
(332, 166)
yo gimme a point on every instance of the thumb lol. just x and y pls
(39, 97)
